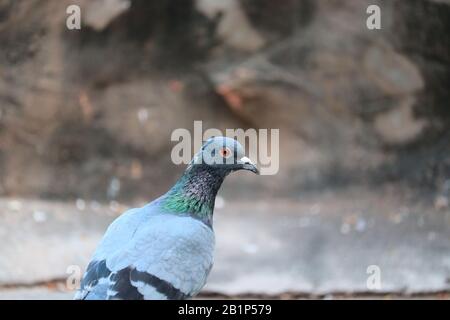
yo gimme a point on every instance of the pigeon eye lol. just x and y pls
(225, 152)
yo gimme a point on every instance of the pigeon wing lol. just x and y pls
(162, 257)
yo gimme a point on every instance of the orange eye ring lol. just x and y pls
(225, 153)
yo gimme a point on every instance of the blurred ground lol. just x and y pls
(55, 293)
(317, 246)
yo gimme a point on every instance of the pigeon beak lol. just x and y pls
(247, 164)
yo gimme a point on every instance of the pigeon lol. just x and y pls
(164, 250)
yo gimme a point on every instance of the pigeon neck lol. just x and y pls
(195, 192)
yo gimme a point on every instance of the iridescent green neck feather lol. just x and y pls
(195, 192)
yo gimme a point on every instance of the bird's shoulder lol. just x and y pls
(124, 227)
(149, 254)
(166, 238)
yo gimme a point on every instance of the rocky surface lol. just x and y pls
(353, 105)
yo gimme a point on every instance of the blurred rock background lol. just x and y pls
(87, 114)
(354, 106)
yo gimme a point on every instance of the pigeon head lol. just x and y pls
(224, 155)
(195, 191)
